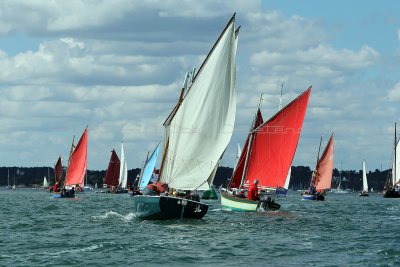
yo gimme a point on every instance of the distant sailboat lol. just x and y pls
(76, 171)
(322, 176)
(197, 132)
(112, 174)
(339, 189)
(14, 186)
(364, 192)
(45, 183)
(392, 187)
(267, 155)
(123, 173)
(8, 180)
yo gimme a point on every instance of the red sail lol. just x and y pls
(274, 144)
(238, 172)
(112, 173)
(58, 170)
(78, 163)
(325, 168)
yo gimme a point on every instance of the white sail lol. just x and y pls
(202, 126)
(286, 185)
(210, 179)
(396, 174)
(238, 153)
(123, 169)
(365, 182)
(45, 183)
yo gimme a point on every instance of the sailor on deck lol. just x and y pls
(252, 194)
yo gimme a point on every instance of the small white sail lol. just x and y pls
(123, 169)
(45, 183)
(365, 182)
(286, 185)
(238, 153)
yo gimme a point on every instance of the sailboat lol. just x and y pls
(364, 192)
(112, 174)
(45, 183)
(14, 187)
(322, 176)
(197, 132)
(267, 156)
(58, 172)
(76, 170)
(8, 179)
(392, 187)
(148, 169)
(123, 173)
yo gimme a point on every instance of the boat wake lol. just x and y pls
(115, 215)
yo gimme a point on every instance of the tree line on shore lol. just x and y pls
(300, 177)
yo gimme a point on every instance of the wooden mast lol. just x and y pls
(246, 163)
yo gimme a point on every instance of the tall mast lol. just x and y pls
(70, 154)
(246, 163)
(319, 149)
(395, 152)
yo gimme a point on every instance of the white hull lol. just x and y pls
(238, 204)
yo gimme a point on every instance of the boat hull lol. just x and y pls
(391, 193)
(245, 205)
(167, 207)
(317, 197)
(363, 194)
(66, 194)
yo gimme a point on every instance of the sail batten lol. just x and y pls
(202, 123)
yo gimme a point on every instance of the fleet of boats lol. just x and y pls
(197, 133)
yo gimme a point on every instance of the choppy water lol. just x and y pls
(100, 229)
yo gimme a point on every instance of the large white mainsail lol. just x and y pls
(200, 127)
(365, 182)
(396, 173)
(123, 169)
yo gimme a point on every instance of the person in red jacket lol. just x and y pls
(252, 194)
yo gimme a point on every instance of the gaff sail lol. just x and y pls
(112, 173)
(78, 163)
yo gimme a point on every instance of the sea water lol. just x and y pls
(100, 229)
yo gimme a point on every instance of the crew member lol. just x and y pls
(252, 194)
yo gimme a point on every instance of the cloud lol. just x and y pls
(118, 66)
(394, 93)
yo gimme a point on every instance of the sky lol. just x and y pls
(118, 66)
